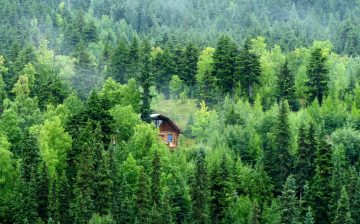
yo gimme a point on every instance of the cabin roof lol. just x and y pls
(164, 118)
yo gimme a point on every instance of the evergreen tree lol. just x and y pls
(30, 157)
(43, 192)
(30, 206)
(279, 160)
(64, 198)
(317, 73)
(355, 203)
(155, 179)
(289, 208)
(286, 87)
(119, 62)
(306, 156)
(189, 64)
(103, 185)
(53, 209)
(220, 190)
(224, 65)
(145, 81)
(321, 189)
(199, 193)
(142, 199)
(166, 208)
(248, 69)
(343, 215)
(309, 217)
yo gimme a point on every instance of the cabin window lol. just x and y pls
(169, 138)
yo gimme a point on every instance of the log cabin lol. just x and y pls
(168, 130)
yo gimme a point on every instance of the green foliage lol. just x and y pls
(343, 210)
(317, 73)
(289, 210)
(224, 65)
(248, 69)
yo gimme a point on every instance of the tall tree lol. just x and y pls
(224, 65)
(321, 189)
(343, 215)
(200, 193)
(286, 87)
(289, 204)
(145, 81)
(305, 164)
(248, 68)
(142, 199)
(220, 190)
(279, 160)
(317, 73)
(189, 64)
(119, 62)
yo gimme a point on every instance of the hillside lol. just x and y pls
(266, 92)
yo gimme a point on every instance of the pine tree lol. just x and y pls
(30, 206)
(309, 217)
(145, 80)
(103, 184)
(142, 199)
(320, 187)
(53, 209)
(155, 179)
(199, 193)
(248, 69)
(64, 198)
(43, 192)
(166, 208)
(189, 64)
(220, 191)
(119, 62)
(279, 160)
(224, 65)
(289, 208)
(306, 156)
(286, 87)
(355, 203)
(343, 215)
(30, 157)
(317, 73)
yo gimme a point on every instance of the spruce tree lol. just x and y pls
(155, 179)
(166, 216)
(320, 187)
(286, 87)
(43, 192)
(309, 217)
(317, 73)
(189, 65)
(289, 203)
(279, 160)
(199, 192)
(64, 198)
(248, 69)
(224, 65)
(119, 62)
(103, 185)
(343, 215)
(30, 205)
(142, 199)
(306, 156)
(145, 81)
(220, 189)
(355, 203)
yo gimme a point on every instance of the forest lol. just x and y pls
(266, 92)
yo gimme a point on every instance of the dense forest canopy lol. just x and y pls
(266, 92)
